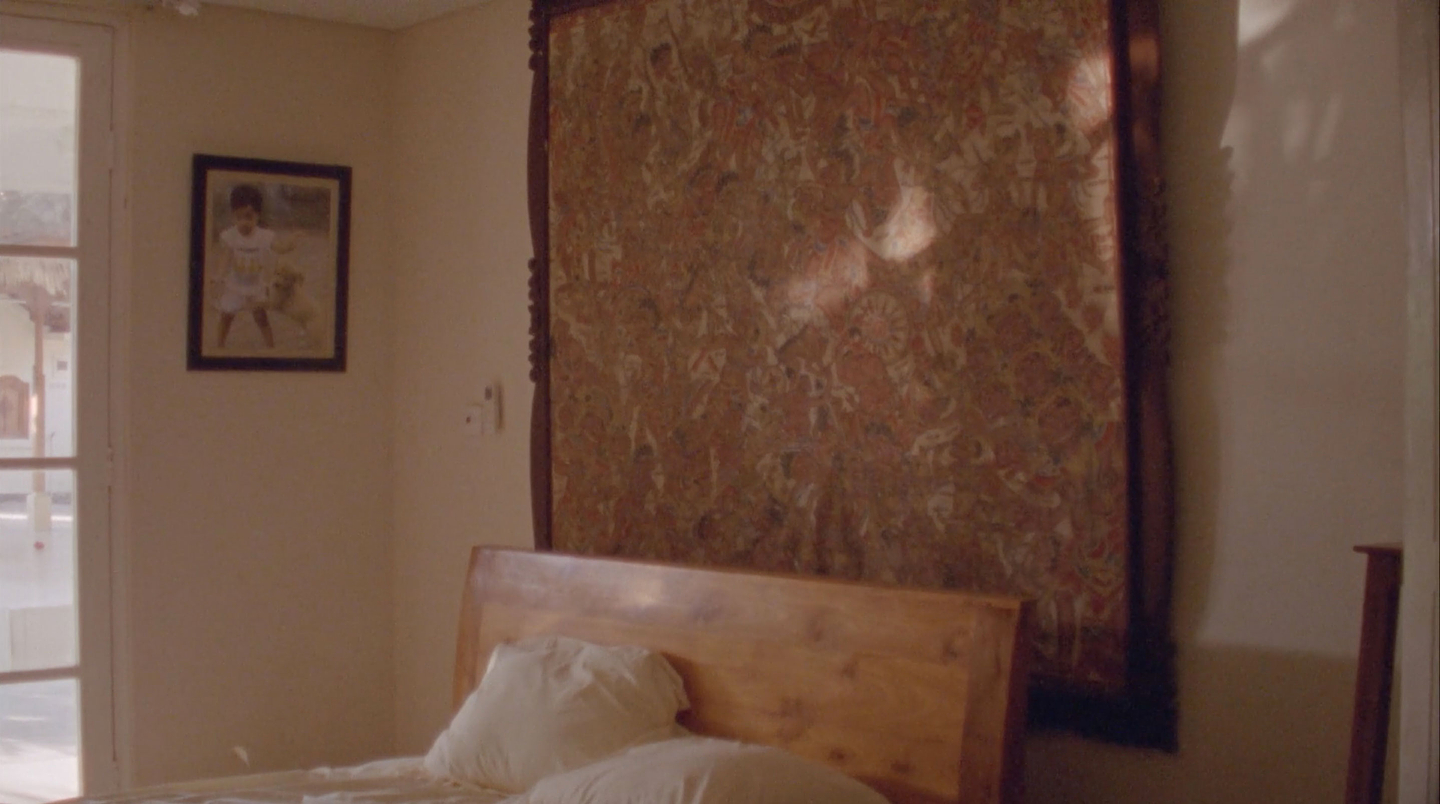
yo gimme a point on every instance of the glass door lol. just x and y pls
(56, 710)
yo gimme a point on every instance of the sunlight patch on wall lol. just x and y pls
(1257, 18)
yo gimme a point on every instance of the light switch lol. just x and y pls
(490, 409)
(483, 416)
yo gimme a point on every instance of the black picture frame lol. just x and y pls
(269, 287)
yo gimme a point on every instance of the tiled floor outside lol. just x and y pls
(37, 742)
(38, 721)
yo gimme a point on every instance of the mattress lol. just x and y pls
(388, 781)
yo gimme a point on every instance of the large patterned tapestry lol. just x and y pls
(833, 288)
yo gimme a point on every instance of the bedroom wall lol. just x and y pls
(259, 559)
(462, 89)
(1283, 155)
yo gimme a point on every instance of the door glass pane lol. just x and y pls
(37, 408)
(38, 742)
(37, 570)
(37, 148)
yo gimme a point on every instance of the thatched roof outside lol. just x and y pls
(43, 282)
(20, 276)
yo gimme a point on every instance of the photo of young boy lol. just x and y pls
(248, 263)
(271, 269)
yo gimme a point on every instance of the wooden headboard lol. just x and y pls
(918, 693)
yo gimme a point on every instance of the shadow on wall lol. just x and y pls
(1254, 726)
(1198, 46)
(1280, 393)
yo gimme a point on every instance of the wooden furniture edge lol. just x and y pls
(1374, 674)
(1000, 706)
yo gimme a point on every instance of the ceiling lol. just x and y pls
(388, 14)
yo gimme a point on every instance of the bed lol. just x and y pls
(919, 694)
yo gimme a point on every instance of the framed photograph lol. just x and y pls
(869, 290)
(269, 260)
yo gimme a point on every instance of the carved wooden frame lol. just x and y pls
(1144, 714)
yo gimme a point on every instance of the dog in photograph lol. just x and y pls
(288, 297)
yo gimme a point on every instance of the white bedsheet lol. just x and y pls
(387, 781)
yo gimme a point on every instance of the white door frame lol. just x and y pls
(100, 41)
(1419, 639)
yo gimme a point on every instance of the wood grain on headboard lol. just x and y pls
(919, 693)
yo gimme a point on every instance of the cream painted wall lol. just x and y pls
(259, 538)
(462, 89)
(1283, 152)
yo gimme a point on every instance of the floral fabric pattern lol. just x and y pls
(834, 290)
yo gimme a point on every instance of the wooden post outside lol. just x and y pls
(38, 508)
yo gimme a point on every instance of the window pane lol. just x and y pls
(37, 570)
(37, 148)
(37, 411)
(38, 745)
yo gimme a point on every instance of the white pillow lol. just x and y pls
(702, 770)
(551, 704)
